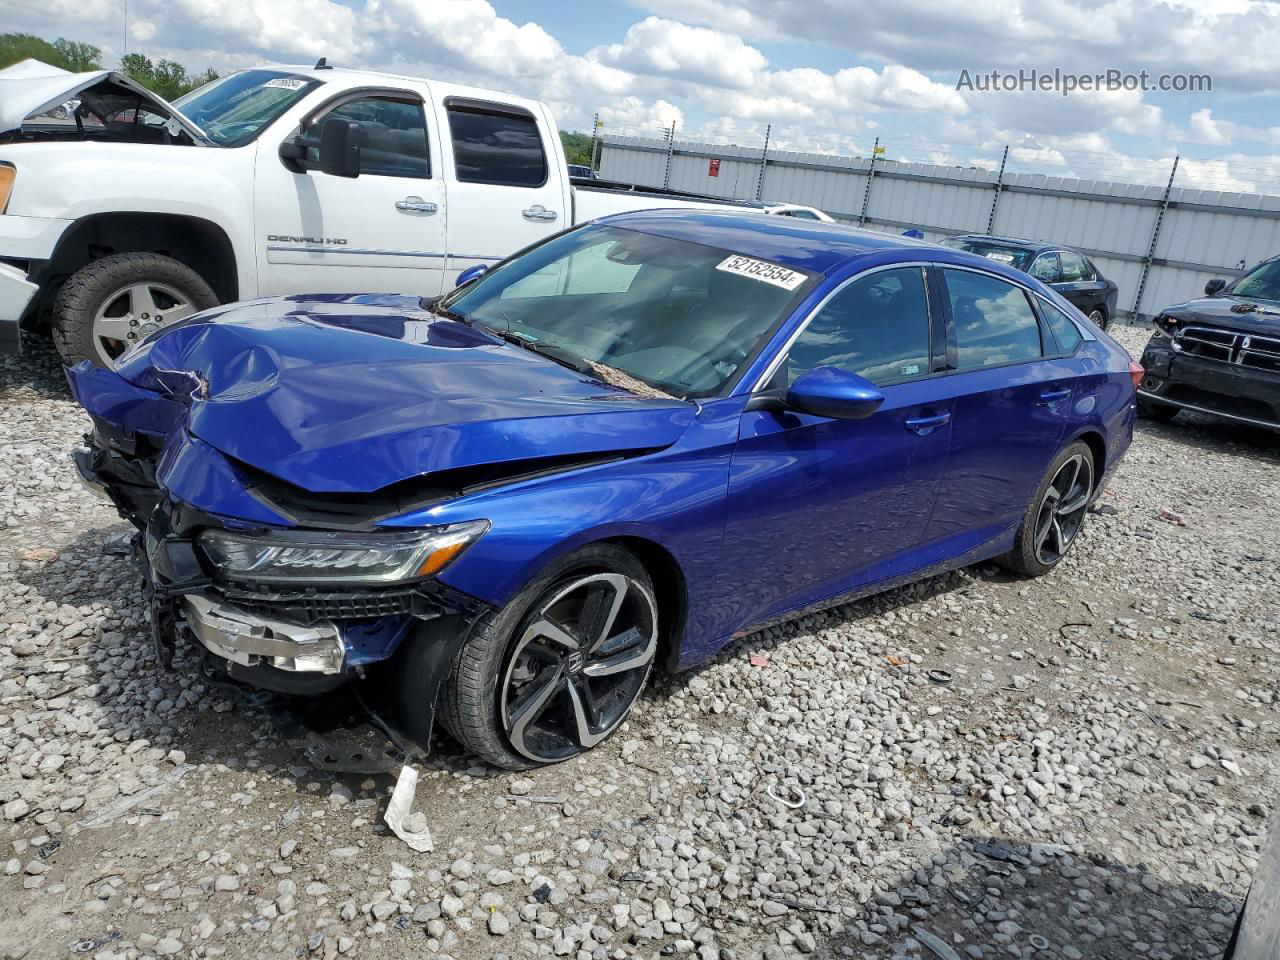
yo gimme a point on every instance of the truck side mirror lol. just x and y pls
(339, 153)
(1213, 286)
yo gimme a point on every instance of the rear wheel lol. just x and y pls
(112, 303)
(1098, 317)
(557, 670)
(1056, 513)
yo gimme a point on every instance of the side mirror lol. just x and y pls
(832, 392)
(1213, 286)
(340, 148)
(469, 274)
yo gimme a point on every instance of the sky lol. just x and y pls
(825, 76)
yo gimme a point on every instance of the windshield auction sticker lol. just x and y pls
(762, 270)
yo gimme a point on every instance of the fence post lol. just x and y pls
(866, 193)
(671, 145)
(764, 159)
(595, 140)
(995, 199)
(1155, 237)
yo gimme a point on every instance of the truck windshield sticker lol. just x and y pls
(762, 270)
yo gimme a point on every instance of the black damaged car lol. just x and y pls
(1219, 354)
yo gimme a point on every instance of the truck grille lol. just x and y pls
(1230, 346)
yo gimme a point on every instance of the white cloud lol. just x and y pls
(667, 48)
(1204, 129)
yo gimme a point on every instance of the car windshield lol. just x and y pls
(1260, 283)
(679, 316)
(236, 108)
(1017, 257)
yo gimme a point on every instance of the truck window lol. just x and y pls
(394, 136)
(496, 147)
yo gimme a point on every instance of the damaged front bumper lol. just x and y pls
(299, 639)
(1222, 387)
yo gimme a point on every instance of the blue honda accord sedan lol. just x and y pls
(618, 449)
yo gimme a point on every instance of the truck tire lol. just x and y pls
(521, 695)
(112, 303)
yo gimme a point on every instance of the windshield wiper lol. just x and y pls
(550, 351)
(429, 304)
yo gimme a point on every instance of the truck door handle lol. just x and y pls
(539, 212)
(926, 425)
(1052, 396)
(416, 205)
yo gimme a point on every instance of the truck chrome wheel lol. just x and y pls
(134, 311)
(577, 668)
(1062, 509)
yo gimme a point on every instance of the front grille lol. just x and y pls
(313, 607)
(1258, 351)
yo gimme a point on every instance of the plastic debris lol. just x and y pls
(1170, 516)
(409, 827)
(934, 943)
(940, 677)
(895, 661)
(93, 944)
(794, 802)
(1039, 942)
(758, 659)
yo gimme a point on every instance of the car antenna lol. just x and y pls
(322, 64)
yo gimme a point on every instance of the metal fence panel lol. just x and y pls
(1202, 233)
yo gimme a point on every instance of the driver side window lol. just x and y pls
(393, 136)
(877, 326)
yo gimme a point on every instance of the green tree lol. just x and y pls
(167, 78)
(66, 54)
(577, 147)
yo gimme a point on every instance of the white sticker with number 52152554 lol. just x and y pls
(761, 270)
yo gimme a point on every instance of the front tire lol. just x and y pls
(112, 303)
(1056, 513)
(556, 670)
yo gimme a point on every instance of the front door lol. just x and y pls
(381, 232)
(816, 506)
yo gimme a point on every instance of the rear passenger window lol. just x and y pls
(877, 326)
(1064, 331)
(994, 321)
(393, 136)
(1073, 268)
(498, 148)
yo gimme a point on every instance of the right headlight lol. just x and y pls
(8, 173)
(323, 557)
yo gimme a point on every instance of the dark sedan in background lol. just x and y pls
(1068, 271)
(1219, 354)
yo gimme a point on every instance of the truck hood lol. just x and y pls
(354, 393)
(31, 87)
(1235, 313)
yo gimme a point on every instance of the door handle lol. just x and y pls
(926, 425)
(1053, 396)
(416, 205)
(539, 212)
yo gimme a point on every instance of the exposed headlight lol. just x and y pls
(7, 175)
(320, 557)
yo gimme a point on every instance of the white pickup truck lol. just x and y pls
(120, 213)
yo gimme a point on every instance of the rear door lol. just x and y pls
(382, 231)
(1079, 283)
(1013, 396)
(506, 184)
(817, 506)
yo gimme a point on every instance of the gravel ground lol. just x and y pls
(1093, 783)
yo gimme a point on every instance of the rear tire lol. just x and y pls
(123, 294)
(1055, 515)
(554, 672)
(1159, 412)
(1098, 317)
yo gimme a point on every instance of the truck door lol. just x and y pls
(382, 231)
(507, 177)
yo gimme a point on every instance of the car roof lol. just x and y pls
(801, 244)
(1037, 245)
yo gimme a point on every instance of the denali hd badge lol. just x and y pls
(318, 241)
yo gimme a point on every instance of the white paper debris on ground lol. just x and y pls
(411, 828)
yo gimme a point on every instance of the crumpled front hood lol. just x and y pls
(1235, 313)
(349, 394)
